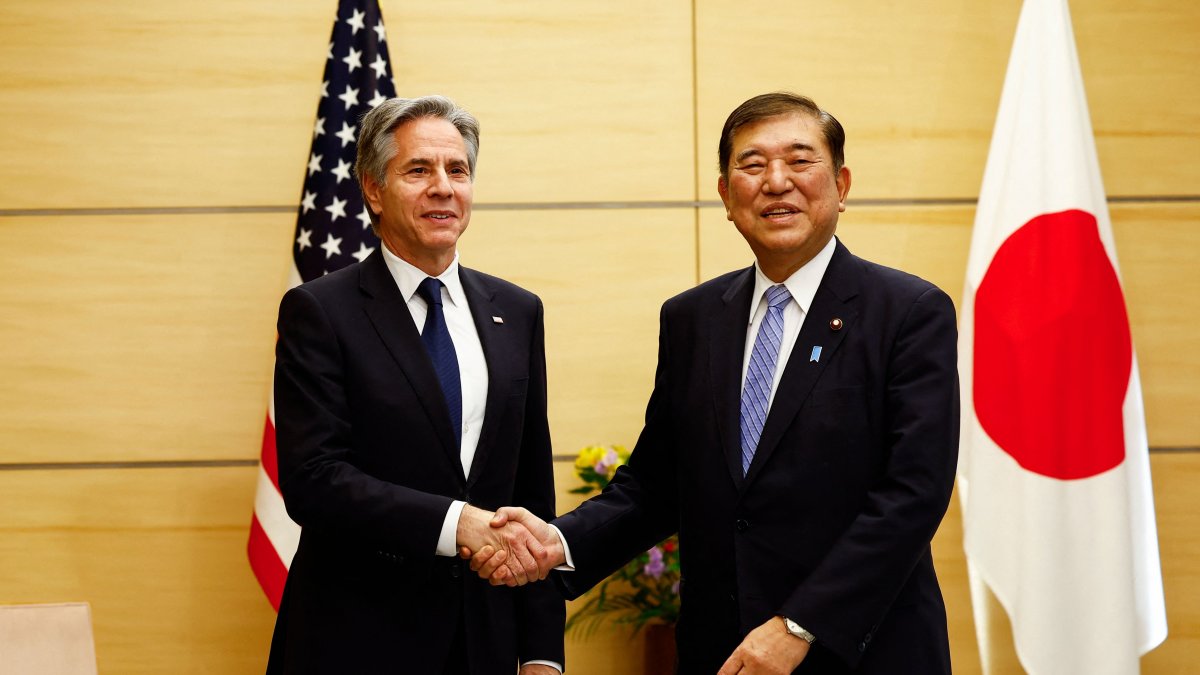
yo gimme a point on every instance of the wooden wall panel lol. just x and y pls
(602, 275)
(159, 554)
(578, 101)
(199, 104)
(138, 337)
(158, 104)
(917, 86)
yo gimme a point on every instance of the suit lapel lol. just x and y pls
(839, 285)
(390, 316)
(497, 352)
(726, 351)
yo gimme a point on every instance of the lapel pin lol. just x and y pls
(816, 355)
(497, 319)
(835, 324)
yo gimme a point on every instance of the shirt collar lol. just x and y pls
(408, 277)
(803, 283)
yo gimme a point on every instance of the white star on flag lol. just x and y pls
(337, 209)
(379, 66)
(346, 134)
(354, 59)
(305, 239)
(319, 127)
(314, 163)
(342, 171)
(332, 246)
(362, 252)
(356, 21)
(365, 218)
(377, 99)
(325, 89)
(349, 97)
(380, 32)
(309, 202)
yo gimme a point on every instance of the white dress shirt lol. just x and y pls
(472, 367)
(802, 285)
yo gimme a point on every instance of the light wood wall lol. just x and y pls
(150, 153)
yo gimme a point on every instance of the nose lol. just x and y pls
(775, 178)
(439, 184)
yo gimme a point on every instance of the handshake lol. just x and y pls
(510, 547)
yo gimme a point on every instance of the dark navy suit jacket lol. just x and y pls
(368, 465)
(832, 524)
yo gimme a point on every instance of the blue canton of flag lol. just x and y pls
(333, 228)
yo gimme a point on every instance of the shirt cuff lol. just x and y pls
(447, 544)
(552, 664)
(570, 566)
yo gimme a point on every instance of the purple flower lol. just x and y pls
(655, 567)
(608, 461)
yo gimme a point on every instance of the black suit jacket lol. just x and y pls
(368, 465)
(832, 524)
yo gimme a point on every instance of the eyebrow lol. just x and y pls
(741, 156)
(426, 161)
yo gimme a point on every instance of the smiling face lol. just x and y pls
(426, 204)
(783, 193)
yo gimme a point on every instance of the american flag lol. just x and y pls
(333, 230)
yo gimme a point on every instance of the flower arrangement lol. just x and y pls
(646, 589)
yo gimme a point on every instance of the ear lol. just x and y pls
(373, 193)
(843, 187)
(723, 190)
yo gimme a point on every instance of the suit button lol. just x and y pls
(455, 572)
(742, 525)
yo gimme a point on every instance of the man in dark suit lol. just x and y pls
(802, 435)
(411, 398)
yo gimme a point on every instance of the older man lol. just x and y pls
(801, 438)
(410, 397)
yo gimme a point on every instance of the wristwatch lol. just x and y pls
(794, 628)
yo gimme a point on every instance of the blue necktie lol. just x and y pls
(441, 351)
(760, 375)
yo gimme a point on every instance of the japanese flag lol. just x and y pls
(1058, 514)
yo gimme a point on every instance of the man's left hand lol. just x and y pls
(538, 669)
(767, 650)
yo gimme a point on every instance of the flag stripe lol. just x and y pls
(265, 562)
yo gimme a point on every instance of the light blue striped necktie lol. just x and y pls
(760, 374)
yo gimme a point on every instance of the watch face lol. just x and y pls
(795, 629)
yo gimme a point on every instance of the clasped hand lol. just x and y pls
(511, 547)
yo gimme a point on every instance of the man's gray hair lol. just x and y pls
(377, 143)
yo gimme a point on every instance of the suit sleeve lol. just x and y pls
(847, 596)
(541, 613)
(321, 487)
(639, 507)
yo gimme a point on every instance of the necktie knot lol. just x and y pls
(431, 290)
(777, 296)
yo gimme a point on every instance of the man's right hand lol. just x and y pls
(518, 553)
(490, 562)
